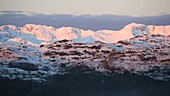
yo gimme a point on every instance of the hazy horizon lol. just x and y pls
(97, 22)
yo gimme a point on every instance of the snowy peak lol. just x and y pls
(42, 33)
(68, 33)
(9, 27)
(137, 29)
(131, 25)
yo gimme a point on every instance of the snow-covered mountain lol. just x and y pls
(37, 51)
(36, 34)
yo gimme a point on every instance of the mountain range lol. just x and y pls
(33, 52)
(37, 34)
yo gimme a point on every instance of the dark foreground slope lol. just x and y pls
(85, 82)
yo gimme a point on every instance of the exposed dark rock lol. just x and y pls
(96, 47)
(51, 47)
(166, 60)
(50, 53)
(76, 53)
(63, 41)
(68, 46)
(105, 51)
(41, 46)
(123, 42)
(23, 65)
(75, 58)
(57, 45)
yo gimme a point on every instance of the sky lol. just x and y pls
(89, 7)
(85, 14)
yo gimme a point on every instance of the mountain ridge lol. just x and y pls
(49, 33)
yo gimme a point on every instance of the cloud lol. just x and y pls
(99, 22)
